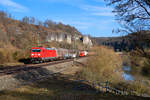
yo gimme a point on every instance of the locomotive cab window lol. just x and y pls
(36, 50)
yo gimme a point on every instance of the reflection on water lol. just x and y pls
(126, 68)
(127, 77)
(126, 74)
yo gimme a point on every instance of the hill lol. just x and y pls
(14, 31)
(127, 43)
(18, 36)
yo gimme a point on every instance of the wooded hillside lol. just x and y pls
(126, 43)
(22, 33)
(18, 36)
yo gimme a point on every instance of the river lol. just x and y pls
(126, 73)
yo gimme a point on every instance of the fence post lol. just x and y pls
(93, 84)
(123, 93)
(106, 86)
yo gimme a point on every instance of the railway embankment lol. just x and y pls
(26, 77)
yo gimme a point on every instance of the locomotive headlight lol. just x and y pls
(32, 54)
(39, 54)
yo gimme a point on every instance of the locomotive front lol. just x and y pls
(36, 54)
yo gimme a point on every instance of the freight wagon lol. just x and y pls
(41, 54)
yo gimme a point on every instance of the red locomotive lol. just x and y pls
(42, 54)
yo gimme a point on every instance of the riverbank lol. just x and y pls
(133, 77)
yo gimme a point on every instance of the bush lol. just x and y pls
(140, 64)
(106, 65)
(1, 57)
(12, 55)
(6, 55)
(17, 55)
(138, 87)
(126, 59)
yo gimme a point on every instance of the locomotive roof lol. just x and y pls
(50, 48)
(43, 48)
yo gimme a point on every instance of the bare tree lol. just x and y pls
(132, 11)
(48, 23)
(3, 15)
(40, 23)
(32, 20)
(26, 20)
(134, 16)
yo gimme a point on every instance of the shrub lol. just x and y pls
(140, 64)
(5, 56)
(10, 54)
(138, 87)
(126, 59)
(17, 55)
(1, 57)
(105, 65)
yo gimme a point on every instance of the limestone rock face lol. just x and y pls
(60, 37)
(87, 41)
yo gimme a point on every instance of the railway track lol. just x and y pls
(18, 69)
(14, 77)
(27, 67)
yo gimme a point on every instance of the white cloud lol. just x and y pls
(69, 2)
(103, 14)
(81, 25)
(97, 10)
(88, 21)
(13, 6)
(102, 1)
(82, 4)
(64, 0)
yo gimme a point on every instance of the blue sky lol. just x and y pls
(88, 16)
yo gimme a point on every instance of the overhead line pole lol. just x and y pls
(38, 40)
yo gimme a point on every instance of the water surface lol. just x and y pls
(126, 74)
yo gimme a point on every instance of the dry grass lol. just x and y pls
(106, 65)
(59, 88)
(140, 64)
(10, 54)
(126, 59)
(140, 69)
(137, 87)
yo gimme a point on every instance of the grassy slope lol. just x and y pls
(60, 87)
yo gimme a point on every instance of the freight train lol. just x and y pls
(41, 54)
